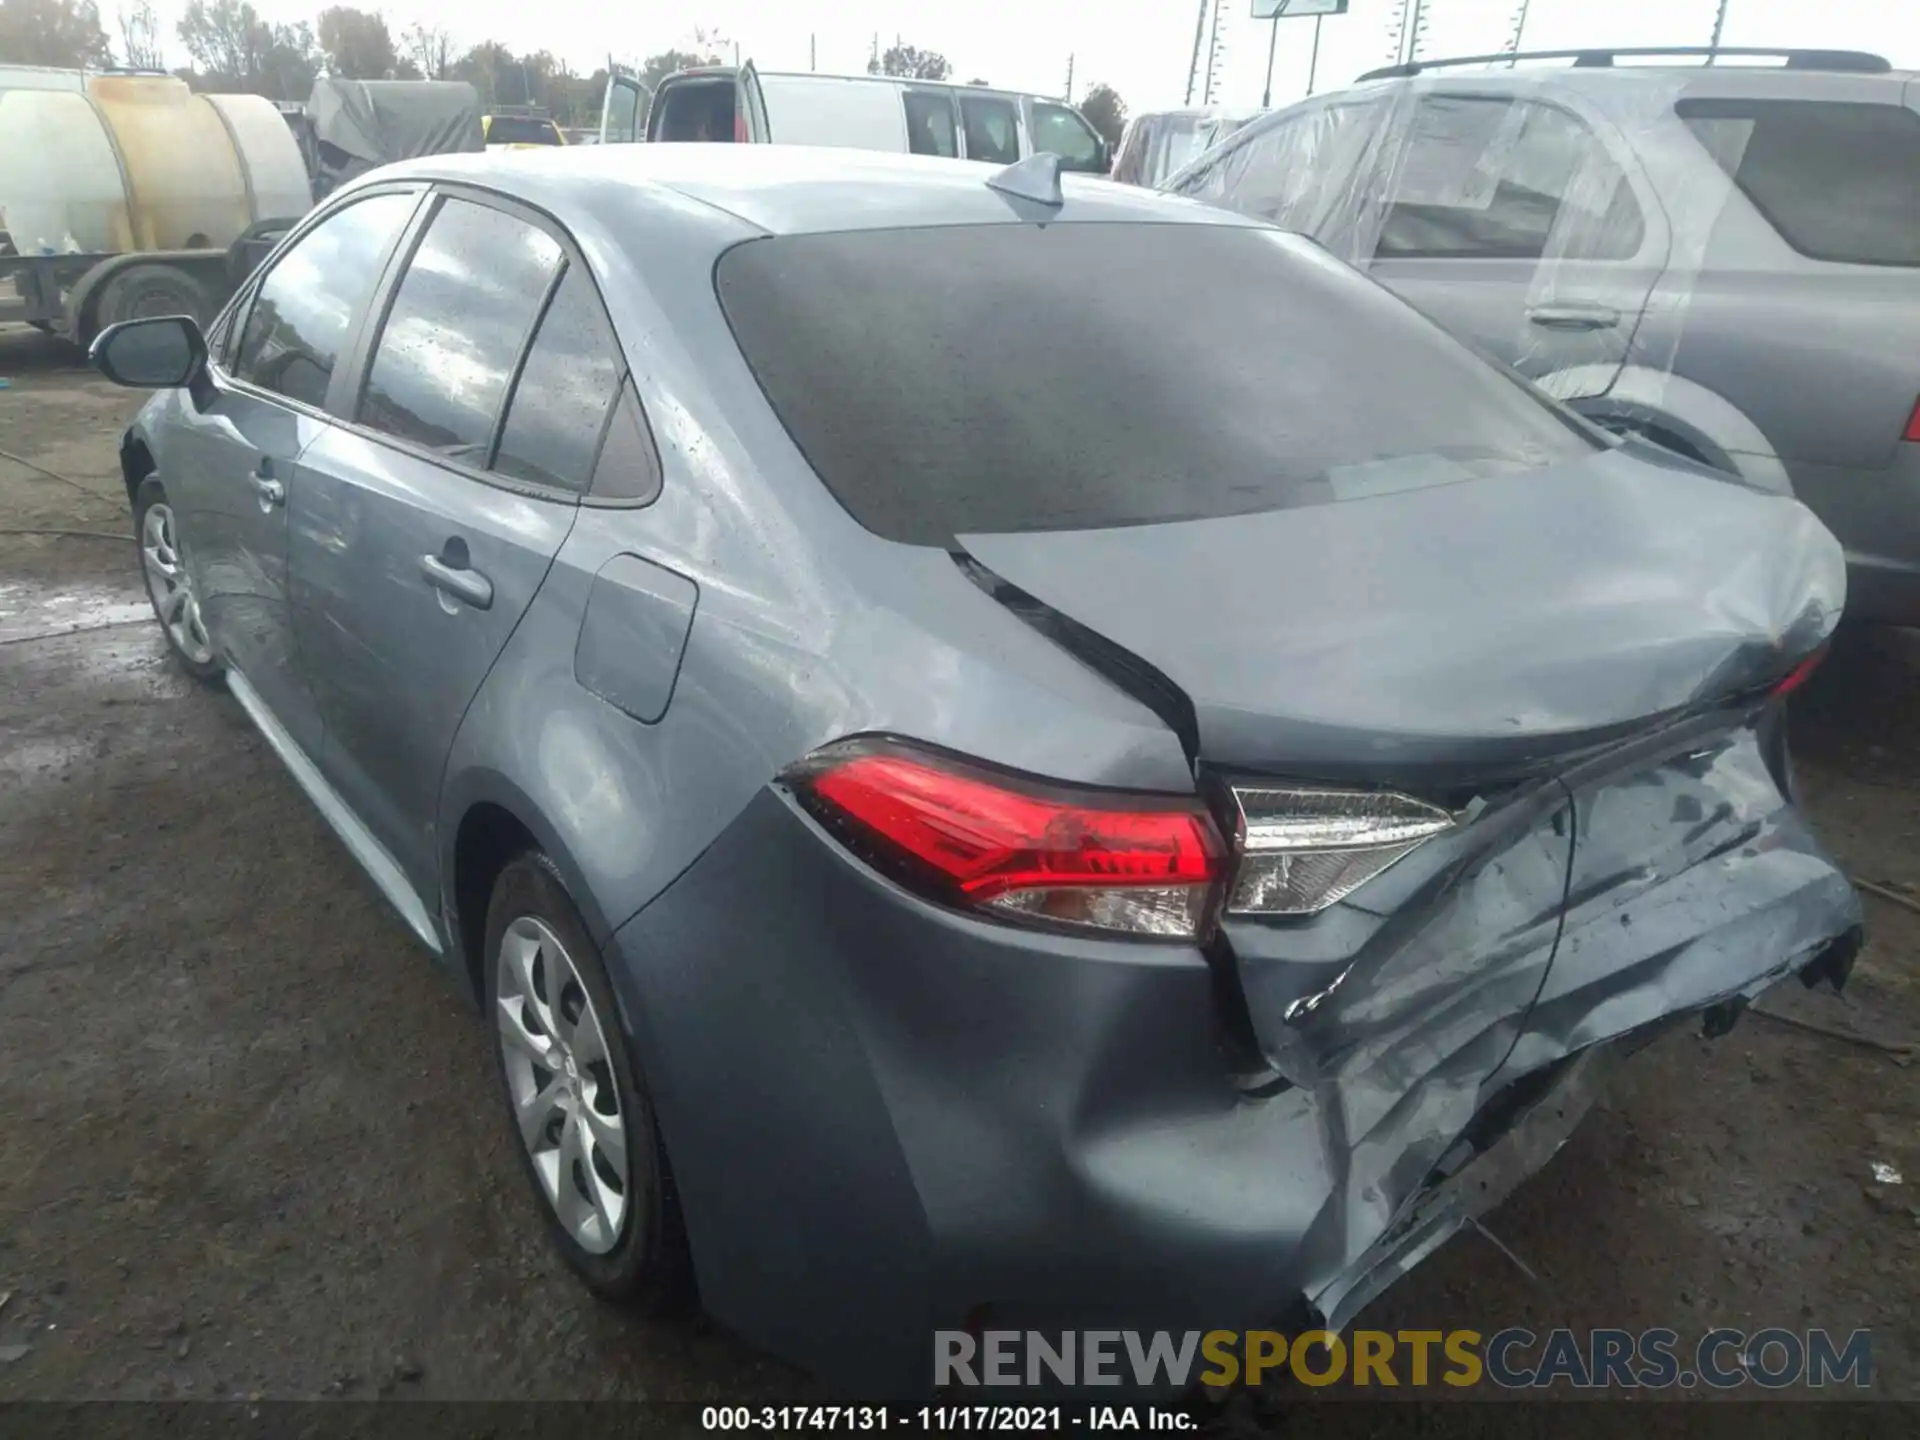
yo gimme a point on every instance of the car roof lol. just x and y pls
(792, 189)
(1601, 80)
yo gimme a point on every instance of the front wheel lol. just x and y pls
(581, 1118)
(169, 586)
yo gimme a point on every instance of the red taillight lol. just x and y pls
(739, 128)
(1913, 424)
(1144, 865)
(1799, 675)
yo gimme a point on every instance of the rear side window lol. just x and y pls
(967, 379)
(560, 404)
(300, 315)
(522, 130)
(930, 123)
(456, 328)
(1838, 181)
(1493, 179)
(993, 129)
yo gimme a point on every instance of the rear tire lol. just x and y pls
(537, 948)
(143, 292)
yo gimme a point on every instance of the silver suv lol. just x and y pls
(1724, 258)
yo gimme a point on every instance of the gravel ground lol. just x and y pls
(248, 1135)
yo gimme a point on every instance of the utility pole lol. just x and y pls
(1069, 79)
(1313, 65)
(813, 53)
(1273, 35)
(1719, 24)
(1199, 33)
(1519, 30)
(1213, 55)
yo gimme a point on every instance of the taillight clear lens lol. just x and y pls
(1026, 851)
(1303, 849)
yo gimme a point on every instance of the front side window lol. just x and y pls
(1838, 181)
(456, 327)
(1494, 179)
(974, 386)
(303, 309)
(992, 127)
(1063, 132)
(560, 403)
(930, 129)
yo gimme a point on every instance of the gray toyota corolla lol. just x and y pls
(995, 750)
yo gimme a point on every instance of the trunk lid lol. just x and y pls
(1485, 625)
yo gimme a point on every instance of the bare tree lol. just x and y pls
(431, 49)
(140, 37)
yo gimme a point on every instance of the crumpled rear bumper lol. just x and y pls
(886, 1119)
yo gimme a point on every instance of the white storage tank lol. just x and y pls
(41, 77)
(139, 162)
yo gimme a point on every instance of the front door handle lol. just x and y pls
(270, 490)
(1574, 317)
(469, 587)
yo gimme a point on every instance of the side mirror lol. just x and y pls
(163, 353)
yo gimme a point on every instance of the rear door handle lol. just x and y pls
(469, 587)
(1574, 317)
(270, 490)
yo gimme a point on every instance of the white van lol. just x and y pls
(860, 112)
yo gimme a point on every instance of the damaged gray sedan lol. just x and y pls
(969, 796)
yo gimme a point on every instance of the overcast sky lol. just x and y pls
(1141, 47)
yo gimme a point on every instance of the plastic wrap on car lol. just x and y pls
(1379, 175)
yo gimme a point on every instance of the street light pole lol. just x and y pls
(1313, 65)
(1273, 34)
(1719, 24)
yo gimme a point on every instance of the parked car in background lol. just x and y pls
(519, 127)
(1725, 258)
(1153, 810)
(867, 112)
(1157, 143)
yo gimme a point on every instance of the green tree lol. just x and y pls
(66, 33)
(1106, 112)
(493, 70)
(358, 45)
(291, 64)
(911, 63)
(229, 44)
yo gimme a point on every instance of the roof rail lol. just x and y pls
(1854, 61)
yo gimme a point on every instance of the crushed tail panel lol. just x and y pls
(1662, 879)
(1695, 881)
(1394, 1008)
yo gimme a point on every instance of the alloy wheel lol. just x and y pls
(560, 1082)
(170, 587)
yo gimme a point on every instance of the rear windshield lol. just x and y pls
(518, 130)
(1838, 181)
(995, 378)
